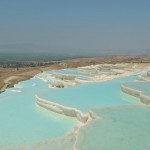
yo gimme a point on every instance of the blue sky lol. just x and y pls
(79, 25)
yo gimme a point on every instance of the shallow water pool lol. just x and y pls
(87, 96)
(118, 128)
(22, 122)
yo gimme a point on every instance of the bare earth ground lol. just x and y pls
(11, 76)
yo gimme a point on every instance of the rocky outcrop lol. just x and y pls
(64, 110)
(137, 93)
(61, 84)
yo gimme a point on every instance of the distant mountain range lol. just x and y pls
(29, 50)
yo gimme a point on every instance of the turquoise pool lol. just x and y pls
(72, 72)
(118, 128)
(87, 96)
(25, 124)
(22, 122)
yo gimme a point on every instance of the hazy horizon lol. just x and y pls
(75, 27)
